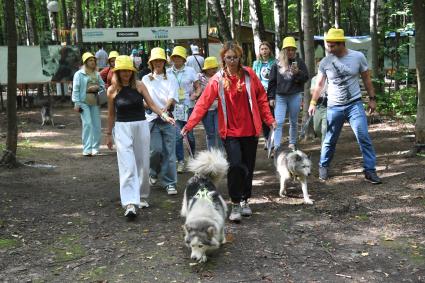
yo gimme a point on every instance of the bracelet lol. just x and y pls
(109, 134)
(164, 116)
(373, 98)
(313, 102)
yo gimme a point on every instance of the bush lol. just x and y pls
(398, 103)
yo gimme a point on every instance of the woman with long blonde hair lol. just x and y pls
(126, 117)
(286, 86)
(242, 106)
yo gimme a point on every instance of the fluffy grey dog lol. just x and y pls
(46, 116)
(293, 164)
(203, 206)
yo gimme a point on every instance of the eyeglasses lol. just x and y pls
(231, 58)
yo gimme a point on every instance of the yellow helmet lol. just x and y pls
(335, 35)
(179, 51)
(210, 63)
(289, 41)
(86, 56)
(157, 53)
(113, 54)
(124, 62)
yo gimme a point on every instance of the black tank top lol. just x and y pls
(129, 105)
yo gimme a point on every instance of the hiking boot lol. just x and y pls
(371, 177)
(171, 189)
(130, 211)
(144, 203)
(153, 180)
(180, 166)
(235, 215)
(323, 173)
(246, 210)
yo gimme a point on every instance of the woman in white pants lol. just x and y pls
(131, 133)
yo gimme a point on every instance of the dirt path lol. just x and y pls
(65, 224)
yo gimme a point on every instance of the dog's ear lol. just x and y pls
(298, 158)
(210, 231)
(309, 155)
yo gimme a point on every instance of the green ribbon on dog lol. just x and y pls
(203, 193)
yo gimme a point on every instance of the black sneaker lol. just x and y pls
(323, 173)
(371, 177)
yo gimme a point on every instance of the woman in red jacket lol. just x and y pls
(242, 108)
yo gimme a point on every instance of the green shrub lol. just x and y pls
(398, 103)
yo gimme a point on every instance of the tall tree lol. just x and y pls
(173, 13)
(256, 17)
(189, 12)
(374, 37)
(418, 15)
(79, 23)
(308, 27)
(9, 157)
(285, 4)
(324, 10)
(300, 27)
(278, 24)
(32, 27)
(232, 18)
(337, 13)
(221, 20)
(66, 24)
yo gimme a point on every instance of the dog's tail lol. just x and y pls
(209, 164)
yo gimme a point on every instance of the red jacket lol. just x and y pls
(106, 75)
(258, 103)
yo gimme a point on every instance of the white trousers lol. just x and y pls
(132, 140)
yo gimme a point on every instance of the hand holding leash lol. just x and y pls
(109, 143)
(184, 131)
(166, 118)
(311, 109)
(272, 103)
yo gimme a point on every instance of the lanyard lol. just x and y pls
(177, 77)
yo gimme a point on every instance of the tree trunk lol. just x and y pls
(418, 16)
(9, 157)
(52, 24)
(256, 17)
(32, 27)
(308, 42)
(240, 17)
(137, 18)
(189, 12)
(221, 20)
(87, 14)
(79, 22)
(278, 24)
(374, 38)
(285, 5)
(324, 9)
(173, 13)
(300, 28)
(232, 19)
(3, 28)
(337, 13)
(66, 22)
(332, 11)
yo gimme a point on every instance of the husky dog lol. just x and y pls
(293, 164)
(46, 116)
(203, 206)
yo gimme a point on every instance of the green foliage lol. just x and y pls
(399, 103)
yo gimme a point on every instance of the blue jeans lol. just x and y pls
(163, 152)
(291, 103)
(92, 131)
(336, 116)
(179, 140)
(210, 122)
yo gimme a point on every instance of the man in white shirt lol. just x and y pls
(101, 57)
(195, 61)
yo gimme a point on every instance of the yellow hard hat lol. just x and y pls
(113, 54)
(157, 53)
(289, 41)
(210, 63)
(124, 62)
(179, 51)
(86, 56)
(335, 35)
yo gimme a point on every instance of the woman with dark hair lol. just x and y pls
(286, 87)
(262, 67)
(126, 115)
(242, 108)
(87, 83)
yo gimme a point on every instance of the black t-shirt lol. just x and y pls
(129, 105)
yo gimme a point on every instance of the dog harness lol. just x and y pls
(203, 193)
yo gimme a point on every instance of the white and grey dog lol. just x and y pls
(46, 116)
(293, 164)
(203, 206)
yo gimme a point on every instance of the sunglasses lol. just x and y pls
(231, 58)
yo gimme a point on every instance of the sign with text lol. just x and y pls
(142, 34)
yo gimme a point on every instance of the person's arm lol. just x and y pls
(320, 83)
(141, 88)
(111, 115)
(262, 102)
(197, 90)
(370, 90)
(76, 91)
(301, 76)
(271, 88)
(101, 83)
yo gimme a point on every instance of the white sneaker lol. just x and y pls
(95, 152)
(246, 210)
(171, 189)
(130, 211)
(153, 180)
(143, 203)
(235, 215)
(180, 166)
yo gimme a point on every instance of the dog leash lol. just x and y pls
(186, 142)
(304, 128)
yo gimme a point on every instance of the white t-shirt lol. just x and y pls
(343, 76)
(101, 58)
(185, 78)
(191, 62)
(161, 90)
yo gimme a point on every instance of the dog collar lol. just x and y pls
(203, 193)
